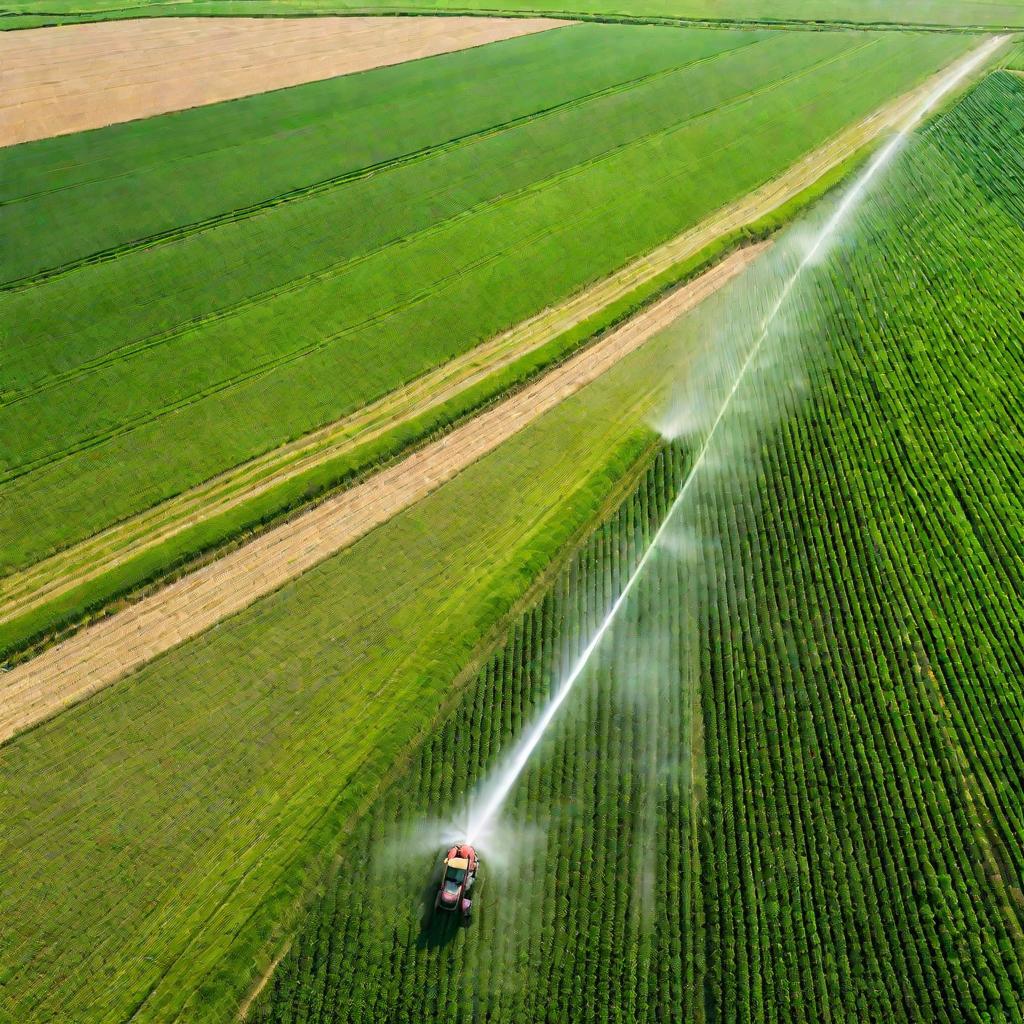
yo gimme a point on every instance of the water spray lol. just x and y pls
(495, 794)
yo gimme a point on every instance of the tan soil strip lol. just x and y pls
(32, 587)
(67, 79)
(113, 647)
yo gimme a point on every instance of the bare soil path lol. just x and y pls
(113, 647)
(37, 584)
(117, 71)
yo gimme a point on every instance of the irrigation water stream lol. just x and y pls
(486, 804)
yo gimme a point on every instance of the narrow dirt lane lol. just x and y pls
(110, 649)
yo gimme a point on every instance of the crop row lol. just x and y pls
(588, 885)
(862, 852)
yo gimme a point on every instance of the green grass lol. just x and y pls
(891, 14)
(129, 380)
(849, 638)
(188, 805)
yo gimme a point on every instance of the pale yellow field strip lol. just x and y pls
(33, 586)
(74, 77)
(111, 648)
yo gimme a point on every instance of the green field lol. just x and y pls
(188, 805)
(788, 788)
(130, 379)
(894, 14)
(839, 835)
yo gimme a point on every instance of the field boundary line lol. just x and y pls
(609, 18)
(111, 648)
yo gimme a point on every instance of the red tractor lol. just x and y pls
(460, 865)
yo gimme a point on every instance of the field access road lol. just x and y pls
(122, 70)
(37, 584)
(111, 648)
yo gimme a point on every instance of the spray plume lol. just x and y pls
(496, 792)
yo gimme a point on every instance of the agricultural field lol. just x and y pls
(273, 304)
(789, 790)
(188, 805)
(891, 14)
(391, 407)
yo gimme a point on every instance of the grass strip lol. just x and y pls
(13, 21)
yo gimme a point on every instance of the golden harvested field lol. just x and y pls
(123, 70)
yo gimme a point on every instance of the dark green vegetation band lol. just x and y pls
(858, 672)
(777, 15)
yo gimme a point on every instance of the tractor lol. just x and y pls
(460, 867)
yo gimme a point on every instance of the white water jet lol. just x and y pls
(485, 807)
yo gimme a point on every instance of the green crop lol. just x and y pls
(129, 380)
(589, 920)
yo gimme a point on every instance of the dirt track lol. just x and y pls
(113, 647)
(35, 585)
(121, 70)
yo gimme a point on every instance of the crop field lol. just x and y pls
(790, 791)
(677, 367)
(186, 806)
(269, 309)
(893, 14)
